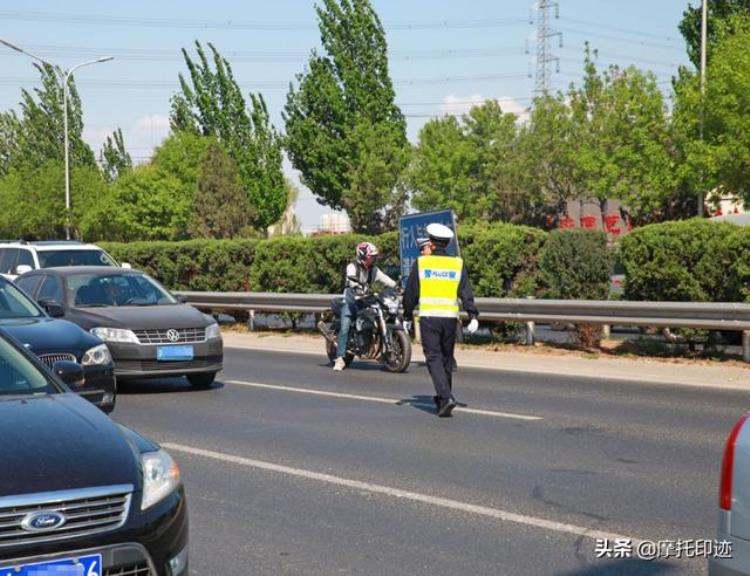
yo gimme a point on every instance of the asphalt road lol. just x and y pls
(291, 469)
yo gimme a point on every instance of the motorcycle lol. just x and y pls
(377, 331)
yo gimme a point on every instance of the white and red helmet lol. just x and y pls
(367, 254)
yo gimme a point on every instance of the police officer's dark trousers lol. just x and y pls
(438, 343)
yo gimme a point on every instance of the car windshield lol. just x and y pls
(18, 376)
(15, 304)
(94, 290)
(55, 258)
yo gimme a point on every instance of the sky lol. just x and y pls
(444, 55)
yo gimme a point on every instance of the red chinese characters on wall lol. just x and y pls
(612, 224)
(567, 222)
(588, 222)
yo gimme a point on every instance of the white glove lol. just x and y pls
(473, 326)
(407, 326)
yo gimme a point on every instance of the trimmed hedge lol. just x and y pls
(501, 259)
(692, 260)
(576, 264)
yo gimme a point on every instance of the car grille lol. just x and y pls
(140, 569)
(184, 336)
(87, 512)
(50, 359)
(155, 365)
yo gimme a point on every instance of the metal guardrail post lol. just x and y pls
(746, 345)
(251, 321)
(530, 329)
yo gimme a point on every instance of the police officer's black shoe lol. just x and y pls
(446, 407)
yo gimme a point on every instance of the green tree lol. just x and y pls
(625, 135)
(342, 123)
(115, 159)
(720, 13)
(220, 207)
(471, 166)
(151, 202)
(212, 104)
(548, 148)
(721, 159)
(9, 131)
(34, 203)
(40, 134)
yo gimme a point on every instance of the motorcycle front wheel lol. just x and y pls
(331, 351)
(398, 359)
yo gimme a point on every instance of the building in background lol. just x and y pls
(332, 224)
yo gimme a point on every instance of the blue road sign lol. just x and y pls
(414, 226)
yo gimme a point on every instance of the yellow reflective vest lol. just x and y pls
(439, 279)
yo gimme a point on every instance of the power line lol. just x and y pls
(265, 85)
(109, 20)
(600, 26)
(605, 54)
(589, 34)
(270, 56)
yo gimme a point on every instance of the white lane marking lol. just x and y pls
(392, 401)
(465, 507)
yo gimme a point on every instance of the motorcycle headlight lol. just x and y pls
(392, 305)
(97, 355)
(161, 477)
(213, 331)
(115, 335)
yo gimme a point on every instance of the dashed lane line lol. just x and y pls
(445, 503)
(380, 400)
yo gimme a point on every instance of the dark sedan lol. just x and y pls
(149, 332)
(54, 340)
(81, 495)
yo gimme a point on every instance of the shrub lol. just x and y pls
(210, 265)
(693, 260)
(575, 264)
(502, 259)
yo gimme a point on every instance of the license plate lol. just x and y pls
(173, 354)
(83, 566)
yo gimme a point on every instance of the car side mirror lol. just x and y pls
(181, 298)
(52, 308)
(22, 269)
(125, 265)
(69, 372)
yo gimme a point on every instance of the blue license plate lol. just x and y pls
(90, 565)
(174, 353)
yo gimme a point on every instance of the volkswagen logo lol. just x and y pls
(173, 335)
(43, 521)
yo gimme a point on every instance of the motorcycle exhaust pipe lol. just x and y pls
(329, 334)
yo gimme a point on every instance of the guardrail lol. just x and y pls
(701, 315)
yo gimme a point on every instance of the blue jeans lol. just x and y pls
(348, 312)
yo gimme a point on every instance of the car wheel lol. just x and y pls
(202, 381)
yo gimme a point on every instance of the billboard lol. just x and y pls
(412, 227)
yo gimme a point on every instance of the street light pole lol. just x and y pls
(704, 34)
(64, 77)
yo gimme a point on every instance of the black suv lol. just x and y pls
(82, 496)
(53, 340)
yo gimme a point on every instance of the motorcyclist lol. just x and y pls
(360, 274)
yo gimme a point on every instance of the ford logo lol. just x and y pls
(173, 335)
(43, 521)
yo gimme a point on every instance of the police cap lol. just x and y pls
(440, 234)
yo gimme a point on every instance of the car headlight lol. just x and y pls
(115, 335)
(98, 355)
(161, 476)
(213, 331)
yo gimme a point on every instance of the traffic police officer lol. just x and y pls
(436, 283)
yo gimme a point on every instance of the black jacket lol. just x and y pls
(411, 294)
